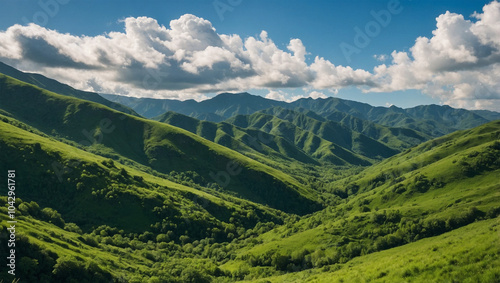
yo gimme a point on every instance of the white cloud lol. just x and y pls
(380, 57)
(459, 64)
(298, 49)
(327, 75)
(184, 60)
(317, 94)
(276, 95)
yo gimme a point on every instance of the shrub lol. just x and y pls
(52, 216)
(72, 227)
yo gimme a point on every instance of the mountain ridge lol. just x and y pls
(63, 89)
(448, 119)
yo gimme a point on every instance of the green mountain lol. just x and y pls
(428, 202)
(324, 148)
(158, 146)
(254, 143)
(430, 120)
(369, 144)
(216, 109)
(57, 87)
(307, 193)
(302, 146)
(394, 137)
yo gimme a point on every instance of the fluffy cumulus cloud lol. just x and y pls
(185, 60)
(459, 64)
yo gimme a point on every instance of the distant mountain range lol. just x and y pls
(330, 130)
(433, 120)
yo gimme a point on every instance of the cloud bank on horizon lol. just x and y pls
(459, 64)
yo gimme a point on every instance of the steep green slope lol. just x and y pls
(90, 190)
(246, 141)
(159, 146)
(334, 132)
(467, 254)
(314, 145)
(104, 220)
(432, 120)
(430, 190)
(57, 87)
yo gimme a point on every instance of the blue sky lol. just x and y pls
(321, 26)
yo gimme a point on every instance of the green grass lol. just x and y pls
(381, 212)
(316, 146)
(468, 254)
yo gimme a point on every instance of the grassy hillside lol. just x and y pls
(467, 254)
(158, 146)
(57, 87)
(79, 182)
(441, 186)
